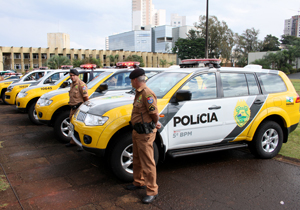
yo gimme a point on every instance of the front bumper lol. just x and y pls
(77, 140)
(10, 97)
(21, 103)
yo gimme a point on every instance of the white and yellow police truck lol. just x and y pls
(202, 109)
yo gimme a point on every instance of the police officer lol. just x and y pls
(144, 119)
(78, 94)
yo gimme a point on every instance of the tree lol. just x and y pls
(162, 62)
(270, 43)
(113, 59)
(190, 48)
(55, 62)
(247, 42)
(288, 40)
(221, 38)
(136, 58)
(92, 61)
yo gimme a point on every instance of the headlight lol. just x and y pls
(22, 94)
(92, 120)
(44, 102)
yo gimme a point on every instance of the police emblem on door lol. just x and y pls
(241, 113)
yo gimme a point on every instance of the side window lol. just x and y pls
(234, 84)
(272, 83)
(119, 81)
(252, 84)
(202, 86)
(30, 77)
(53, 78)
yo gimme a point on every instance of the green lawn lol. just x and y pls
(292, 147)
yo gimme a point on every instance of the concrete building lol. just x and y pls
(141, 13)
(144, 14)
(178, 21)
(159, 17)
(146, 39)
(292, 26)
(60, 40)
(21, 58)
(162, 39)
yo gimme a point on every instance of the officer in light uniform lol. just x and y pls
(78, 94)
(144, 119)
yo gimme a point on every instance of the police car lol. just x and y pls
(202, 109)
(53, 109)
(31, 76)
(27, 97)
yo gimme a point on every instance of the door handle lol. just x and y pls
(258, 101)
(214, 107)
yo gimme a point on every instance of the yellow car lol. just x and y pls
(28, 77)
(201, 110)
(28, 97)
(33, 78)
(52, 108)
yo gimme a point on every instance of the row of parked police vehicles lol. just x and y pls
(202, 108)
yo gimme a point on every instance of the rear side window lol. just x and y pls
(272, 83)
(234, 84)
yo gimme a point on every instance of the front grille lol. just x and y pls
(81, 116)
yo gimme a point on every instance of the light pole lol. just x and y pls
(206, 37)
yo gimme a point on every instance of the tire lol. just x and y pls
(3, 97)
(267, 140)
(61, 127)
(121, 158)
(33, 115)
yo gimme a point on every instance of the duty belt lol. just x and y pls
(143, 128)
(76, 106)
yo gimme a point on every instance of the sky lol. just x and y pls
(27, 22)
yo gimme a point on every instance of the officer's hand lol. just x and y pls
(158, 125)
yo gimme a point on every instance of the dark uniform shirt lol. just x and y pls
(77, 92)
(145, 102)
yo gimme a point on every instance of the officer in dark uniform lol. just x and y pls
(78, 94)
(144, 119)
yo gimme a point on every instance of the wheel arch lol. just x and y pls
(278, 119)
(33, 100)
(59, 111)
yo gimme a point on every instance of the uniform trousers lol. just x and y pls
(71, 113)
(144, 168)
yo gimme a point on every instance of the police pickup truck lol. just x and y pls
(202, 109)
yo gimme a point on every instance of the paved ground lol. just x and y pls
(47, 175)
(294, 76)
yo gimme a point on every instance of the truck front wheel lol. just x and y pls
(121, 158)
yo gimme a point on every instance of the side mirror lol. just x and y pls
(183, 95)
(47, 81)
(102, 87)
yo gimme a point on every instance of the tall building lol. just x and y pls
(141, 13)
(144, 14)
(159, 17)
(178, 21)
(59, 40)
(292, 26)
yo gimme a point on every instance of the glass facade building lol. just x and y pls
(131, 41)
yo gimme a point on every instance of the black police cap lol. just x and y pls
(74, 71)
(136, 73)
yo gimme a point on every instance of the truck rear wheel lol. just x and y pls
(267, 140)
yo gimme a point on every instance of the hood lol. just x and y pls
(24, 83)
(55, 93)
(33, 87)
(100, 105)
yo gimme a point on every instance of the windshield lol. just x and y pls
(97, 79)
(162, 83)
(61, 79)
